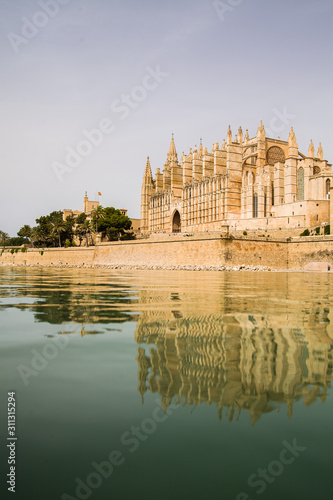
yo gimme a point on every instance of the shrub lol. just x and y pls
(245, 233)
(41, 252)
(16, 250)
(12, 250)
(317, 230)
(306, 232)
(327, 229)
(24, 249)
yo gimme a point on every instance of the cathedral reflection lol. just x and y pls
(235, 361)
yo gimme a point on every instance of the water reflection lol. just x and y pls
(238, 361)
(239, 341)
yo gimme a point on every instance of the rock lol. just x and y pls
(318, 266)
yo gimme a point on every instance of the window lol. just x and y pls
(328, 189)
(253, 160)
(272, 193)
(300, 184)
(255, 205)
(275, 155)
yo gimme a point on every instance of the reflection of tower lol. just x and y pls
(235, 362)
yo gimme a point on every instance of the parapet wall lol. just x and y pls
(182, 251)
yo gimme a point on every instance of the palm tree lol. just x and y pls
(87, 230)
(59, 226)
(97, 214)
(3, 237)
(83, 229)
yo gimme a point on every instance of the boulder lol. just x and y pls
(318, 266)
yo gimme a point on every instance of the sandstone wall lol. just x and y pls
(212, 251)
(50, 256)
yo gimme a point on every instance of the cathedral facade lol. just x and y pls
(247, 183)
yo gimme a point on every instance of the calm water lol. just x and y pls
(167, 385)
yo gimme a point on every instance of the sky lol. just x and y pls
(90, 88)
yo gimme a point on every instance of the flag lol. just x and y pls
(99, 194)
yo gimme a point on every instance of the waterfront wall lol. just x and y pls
(182, 251)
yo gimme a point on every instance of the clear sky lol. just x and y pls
(142, 70)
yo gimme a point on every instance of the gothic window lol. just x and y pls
(275, 155)
(265, 204)
(255, 205)
(328, 188)
(300, 184)
(272, 193)
(253, 160)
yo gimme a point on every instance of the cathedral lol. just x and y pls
(246, 183)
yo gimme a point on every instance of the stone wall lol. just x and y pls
(50, 256)
(182, 251)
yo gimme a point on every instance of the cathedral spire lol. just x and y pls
(172, 154)
(229, 135)
(311, 151)
(247, 137)
(261, 134)
(293, 146)
(200, 149)
(148, 174)
(320, 153)
(240, 135)
(292, 138)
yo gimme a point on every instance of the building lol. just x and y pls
(247, 183)
(89, 206)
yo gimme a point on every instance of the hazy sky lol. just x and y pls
(142, 70)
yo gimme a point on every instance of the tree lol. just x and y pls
(25, 232)
(82, 227)
(3, 238)
(115, 224)
(97, 217)
(87, 230)
(48, 229)
(59, 227)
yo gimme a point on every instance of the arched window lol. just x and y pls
(275, 155)
(300, 184)
(272, 193)
(255, 205)
(328, 189)
(265, 204)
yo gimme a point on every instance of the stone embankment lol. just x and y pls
(242, 267)
(190, 253)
